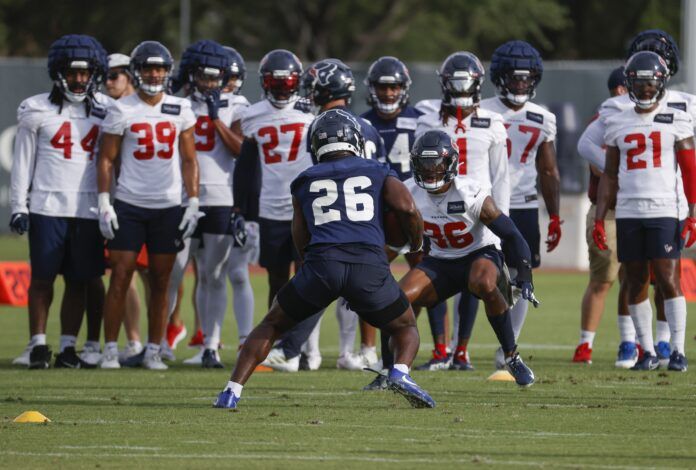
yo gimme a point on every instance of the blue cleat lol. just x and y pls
(436, 363)
(648, 362)
(663, 352)
(461, 362)
(518, 369)
(627, 356)
(677, 362)
(403, 384)
(226, 399)
(134, 361)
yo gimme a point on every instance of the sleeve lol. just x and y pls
(500, 174)
(115, 121)
(550, 129)
(23, 162)
(611, 133)
(246, 180)
(188, 118)
(591, 144)
(477, 202)
(683, 126)
(422, 126)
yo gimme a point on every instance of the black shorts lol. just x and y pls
(277, 248)
(69, 246)
(646, 239)
(157, 229)
(527, 222)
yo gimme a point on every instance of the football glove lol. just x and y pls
(239, 232)
(252, 241)
(108, 222)
(190, 219)
(554, 235)
(212, 99)
(688, 232)
(19, 223)
(599, 235)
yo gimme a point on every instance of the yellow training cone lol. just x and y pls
(501, 376)
(31, 417)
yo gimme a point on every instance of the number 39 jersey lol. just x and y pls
(150, 174)
(281, 137)
(54, 161)
(649, 184)
(342, 201)
(527, 128)
(451, 220)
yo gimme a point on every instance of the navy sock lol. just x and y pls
(387, 355)
(502, 325)
(436, 318)
(468, 306)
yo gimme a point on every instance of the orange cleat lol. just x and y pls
(583, 353)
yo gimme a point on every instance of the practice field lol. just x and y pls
(574, 416)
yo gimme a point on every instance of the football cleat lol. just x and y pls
(196, 340)
(226, 399)
(437, 362)
(461, 362)
(175, 334)
(583, 353)
(677, 362)
(627, 356)
(90, 356)
(211, 360)
(499, 359)
(663, 352)
(518, 369)
(133, 348)
(649, 362)
(154, 362)
(134, 361)
(166, 353)
(23, 359)
(276, 360)
(369, 355)
(378, 384)
(40, 357)
(310, 362)
(68, 359)
(351, 361)
(110, 361)
(196, 360)
(403, 384)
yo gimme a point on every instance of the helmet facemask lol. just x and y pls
(518, 86)
(206, 80)
(637, 84)
(462, 89)
(152, 85)
(73, 89)
(281, 87)
(432, 171)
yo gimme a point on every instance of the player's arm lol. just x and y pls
(109, 150)
(500, 175)
(21, 176)
(591, 144)
(606, 195)
(550, 182)
(189, 162)
(300, 233)
(246, 180)
(686, 157)
(399, 199)
(230, 139)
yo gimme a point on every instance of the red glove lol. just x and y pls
(599, 235)
(689, 232)
(554, 235)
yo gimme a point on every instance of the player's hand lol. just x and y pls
(239, 232)
(688, 232)
(108, 222)
(253, 237)
(190, 219)
(527, 289)
(599, 235)
(554, 235)
(19, 223)
(212, 99)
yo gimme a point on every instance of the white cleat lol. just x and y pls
(133, 348)
(350, 361)
(109, 361)
(154, 362)
(314, 362)
(91, 355)
(166, 353)
(23, 359)
(369, 356)
(276, 360)
(196, 360)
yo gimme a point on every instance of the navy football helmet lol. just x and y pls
(646, 69)
(516, 70)
(434, 159)
(328, 80)
(237, 68)
(658, 41)
(461, 77)
(336, 130)
(279, 72)
(205, 66)
(388, 70)
(77, 51)
(151, 53)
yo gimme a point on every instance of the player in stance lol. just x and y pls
(337, 229)
(644, 186)
(152, 135)
(481, 141)
(516, 70)
(52, 189)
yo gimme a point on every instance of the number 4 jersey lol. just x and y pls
(150, 174)
(649, 184)
(54, 161)
(451, 219)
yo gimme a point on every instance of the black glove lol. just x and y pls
(239, 232)
(212, 99)
(19, 223)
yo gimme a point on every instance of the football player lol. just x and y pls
(337, 229)
(516, 70)
(119, 82)
(645, 145)
(152, 134)
(481, 139)
(53, 187)
(465, 228)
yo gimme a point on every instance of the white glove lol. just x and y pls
(190, 219)
(108, 222)
(252, 241)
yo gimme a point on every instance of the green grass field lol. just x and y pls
(574, 416)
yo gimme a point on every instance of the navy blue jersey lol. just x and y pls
(342, 202)
(398, 137)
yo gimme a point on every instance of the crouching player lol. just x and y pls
(337, 229)
(464, 226)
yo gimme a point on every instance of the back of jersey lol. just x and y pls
(342, 201)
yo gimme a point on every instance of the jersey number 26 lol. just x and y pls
(359, 207)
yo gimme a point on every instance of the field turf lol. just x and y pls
(575, 416)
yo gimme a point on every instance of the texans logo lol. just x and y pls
(349, 116)
(323, 73)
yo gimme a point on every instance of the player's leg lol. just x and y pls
(285, 356)
(276, 254)
(527, 221)
(72, 309)
(467, 308)
(131, 319)
(368, 341)
(310, 359)
(347, 328)
(91, 353)
(242, 294)
(662, 333)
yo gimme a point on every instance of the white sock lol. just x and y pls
(311, 346)
(67, 341)
(151, 349)
(675, 311)
(587, 337)
(642, 319)
(135, 345)
(403, 368)
(627, 330)
(177, 275)
(242, 293)
(662, 331)
(368, 349)
(111, 348)
(92, 345)
(38, 340)
(518, 313)
(455, 322)
(347, 327)
(235, 387)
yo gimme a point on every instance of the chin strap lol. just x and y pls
(460, 121)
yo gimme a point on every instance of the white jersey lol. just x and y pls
(527, 128)
(150, 174)
(649, 182)
(451, 220)
(482, 150)
(215, 160)
(54, 160)
(281, 137)
(429, 106)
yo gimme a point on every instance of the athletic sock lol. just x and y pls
(235, 387)
(403, 368)
(387, 355)
(460, 352)
(662, 333)
(642, 319)
(467, 308)
(436, 318)
(347, 327)
(67, 341)
(92, 345)
(518, 313)
(151, 349)
(135, 345)
(311, 346)
(502, 326)
(627, 330)
(38, 340)
(440, 351)
(675, 311)
(587, 337)
(111, 348)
